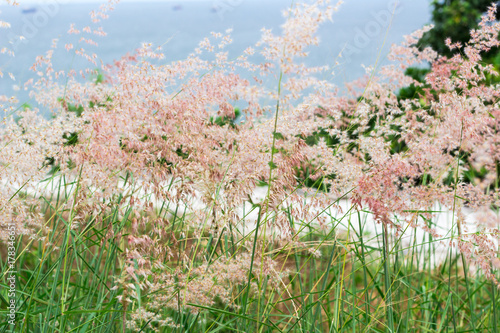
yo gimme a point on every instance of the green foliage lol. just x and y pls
(26, 106)
(77, 109)
(453, 19)
(93, 104)
(348, 285)
(99, 77)
(225, 120)
(71, 138)
(413, 91)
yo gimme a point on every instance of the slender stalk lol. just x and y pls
(387, 283)
(363, 263)
(247, 291)
(266, 211)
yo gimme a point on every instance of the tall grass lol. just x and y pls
(361, 282)
(138, 209)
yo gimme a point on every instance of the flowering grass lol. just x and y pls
(135, 206)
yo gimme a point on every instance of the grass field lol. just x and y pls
(136, 207)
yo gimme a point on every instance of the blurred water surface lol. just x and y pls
(359, 28)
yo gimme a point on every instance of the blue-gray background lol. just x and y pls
(359, 28)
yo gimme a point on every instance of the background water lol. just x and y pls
(359, 28)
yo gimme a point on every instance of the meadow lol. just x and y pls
(185, 197)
